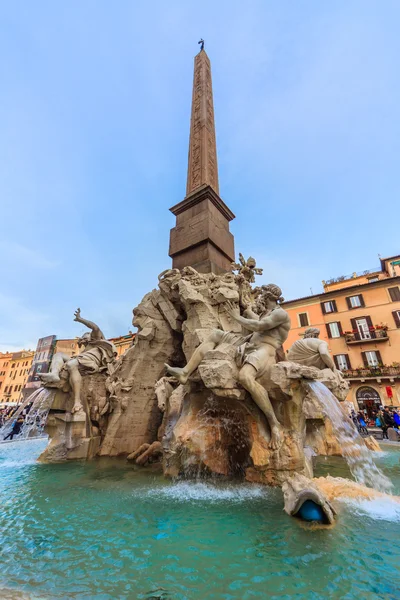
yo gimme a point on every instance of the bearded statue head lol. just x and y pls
(273, 292)
(312, 332)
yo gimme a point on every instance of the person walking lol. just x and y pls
(388, 417)
(16, 428)
(363, 425)
(353, 417)
(382, 424)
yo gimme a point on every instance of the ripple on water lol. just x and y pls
(21, 454)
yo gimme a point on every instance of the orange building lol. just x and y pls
(123, 342)
(5, 358)
(359, 316)
(70, 346)
(67, 346)
(16, 376)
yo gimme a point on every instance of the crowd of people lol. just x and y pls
(383, 418)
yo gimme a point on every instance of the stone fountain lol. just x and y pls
(205, 390)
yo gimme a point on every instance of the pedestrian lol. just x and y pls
(382, 425)
(388, 417)
(16, 428)
(353, 417)
(396, 419)
(363, 425)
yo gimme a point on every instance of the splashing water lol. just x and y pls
(227, 427)
(358, 457)
(207, 492)
(35, 420)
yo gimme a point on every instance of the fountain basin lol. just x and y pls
(102, 529)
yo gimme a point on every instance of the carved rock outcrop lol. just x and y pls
(298, 492)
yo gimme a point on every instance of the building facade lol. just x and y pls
(20, 364)
(123, 342)
(5, 361)
(359, 316)
(67, 346)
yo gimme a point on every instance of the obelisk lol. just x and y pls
(201, 236)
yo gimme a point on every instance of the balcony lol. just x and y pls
(376, 372)
(373, 335)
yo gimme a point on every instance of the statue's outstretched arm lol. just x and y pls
(270, 322)
(97, 333)
(249, 314)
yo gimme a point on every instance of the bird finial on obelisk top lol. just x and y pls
(201, 42)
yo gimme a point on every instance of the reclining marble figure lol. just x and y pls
(97, 355)
(255, 354)
(311, 351)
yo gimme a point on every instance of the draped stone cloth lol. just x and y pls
(96, 357)
(304, 352)
(260, 356)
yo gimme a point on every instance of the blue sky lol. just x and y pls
(95, 107)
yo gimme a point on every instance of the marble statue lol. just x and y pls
(96, 357)
(246, 271)
(311, 351)
(255, 353)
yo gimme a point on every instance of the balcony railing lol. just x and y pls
(371, 372)
(375, 335)
(352, 276)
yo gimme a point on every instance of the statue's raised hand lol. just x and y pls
(231, 309)
(77, 314)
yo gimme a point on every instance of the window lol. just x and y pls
(6, 389)
(362, 327)
(394, 293)
(372, 358)
(396, 317)
(334, 330)
(303, 319)
(342, 361)
(373, 279)
(328, 307)
(355, 301)
(11, 388)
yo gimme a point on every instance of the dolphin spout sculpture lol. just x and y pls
(306, 502)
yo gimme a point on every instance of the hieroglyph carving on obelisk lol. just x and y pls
(202, 167)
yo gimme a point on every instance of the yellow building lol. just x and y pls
(17, 374)
(359, 316)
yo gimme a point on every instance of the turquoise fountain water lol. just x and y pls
(102, 531)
